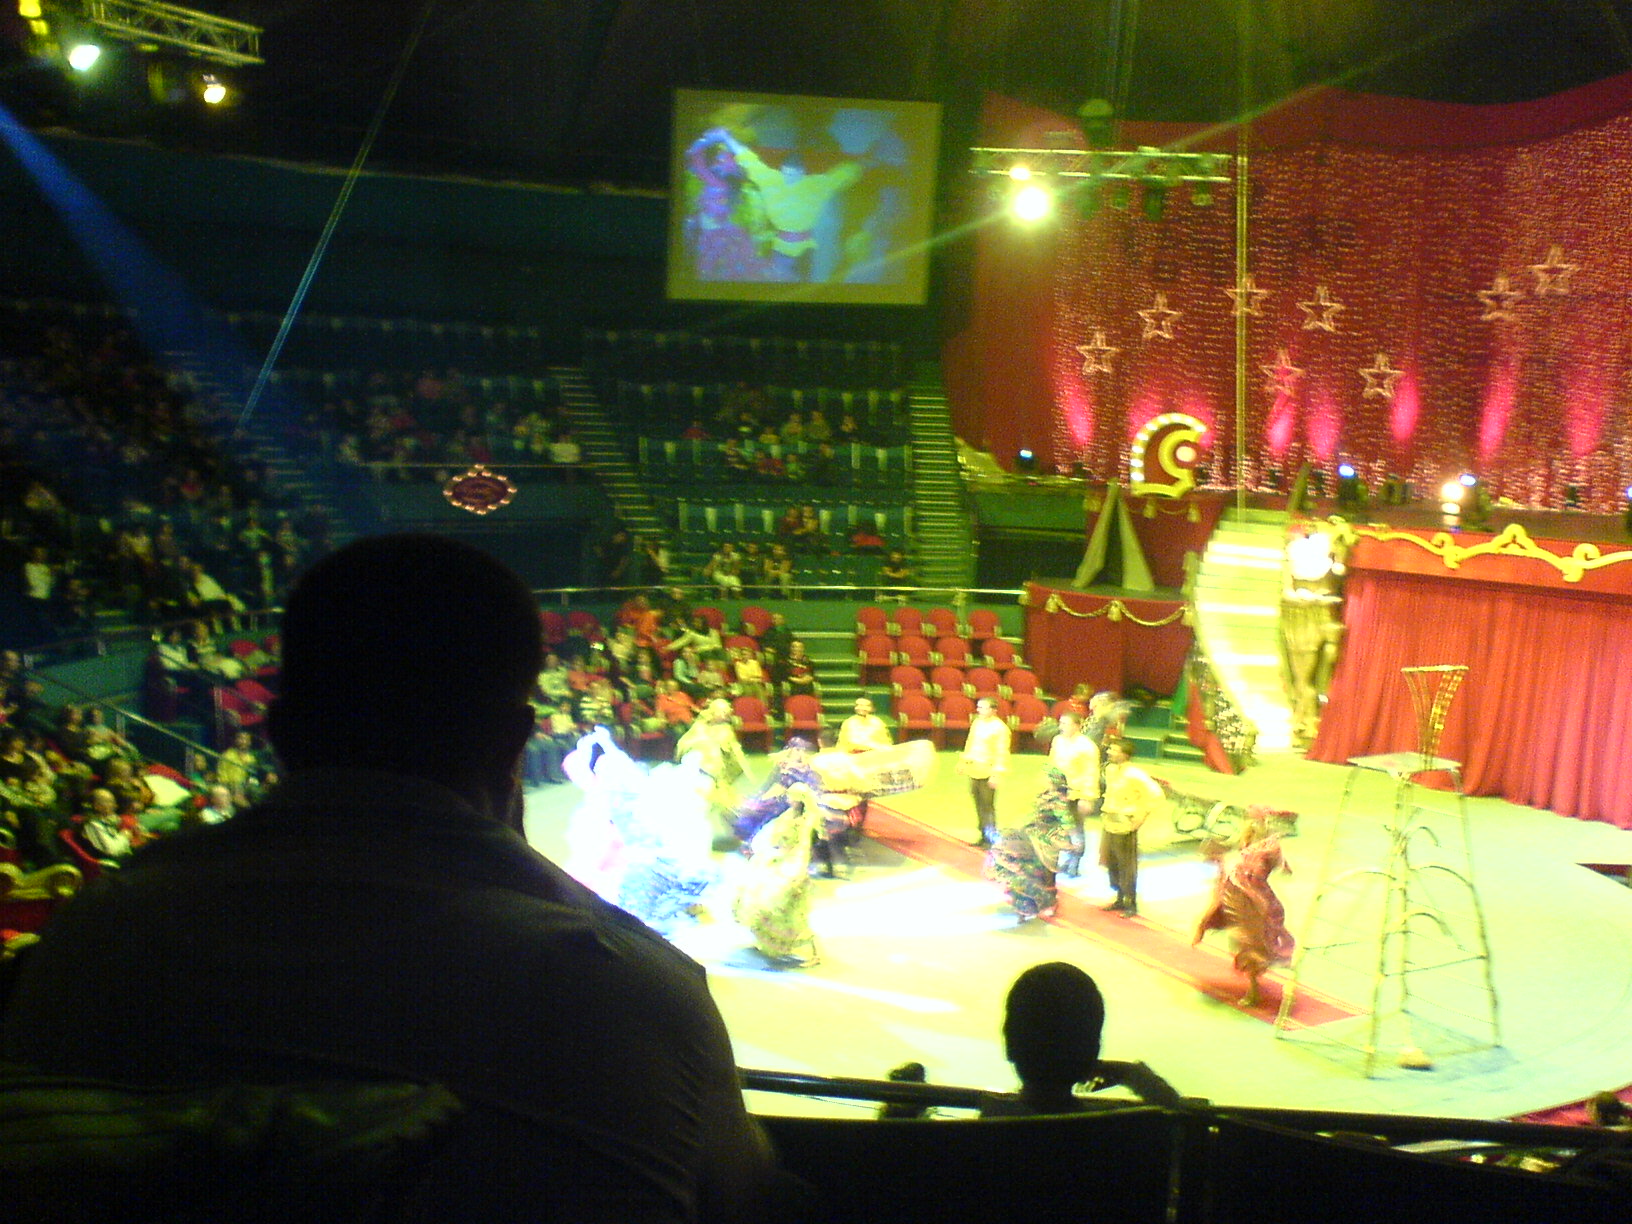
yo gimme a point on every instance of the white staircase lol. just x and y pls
(1237, 597)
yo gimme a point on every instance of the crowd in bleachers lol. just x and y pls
(428, 425)
(74, 790)
(123, 491)
(662, 662)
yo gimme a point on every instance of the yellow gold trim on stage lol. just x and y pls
(1512, 541)
(1117, 611)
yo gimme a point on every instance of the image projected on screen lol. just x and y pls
(800, 199)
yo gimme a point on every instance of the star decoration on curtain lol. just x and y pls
(1553, 276)
(1320, 314)
(1096, 354)
(1499, 300)
(1283, 375)
(1380, 378)
(1159, 319)
(1247, 297)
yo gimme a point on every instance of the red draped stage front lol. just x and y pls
(1544, 716)
(1073, 638)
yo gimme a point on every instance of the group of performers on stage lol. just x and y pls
(644, 839)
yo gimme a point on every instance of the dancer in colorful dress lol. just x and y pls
(789, 768)
(773, 900)
(847, 781)
(720, 756)
(1024, 860)
(1245, 905)
(641, 840)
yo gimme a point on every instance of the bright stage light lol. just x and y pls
(1031, 203)
(1467, 480)
(214, 92)
(1346, 471)
(1453, 491)
(82, 57)
(1019, 172)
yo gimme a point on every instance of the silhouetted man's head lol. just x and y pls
(412, 654)
(1052, 1024)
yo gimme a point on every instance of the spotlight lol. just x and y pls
(82, 57)
(1351, 490)
(1451, 493)
(1019, 172)
(1031, 203)
(1025, 461)
(1467, 480)
(214, 92)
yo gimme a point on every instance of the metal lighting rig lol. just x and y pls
(203, 36)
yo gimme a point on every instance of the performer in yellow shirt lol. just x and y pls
(1132, 796)
(985, 759)
(1077, 757)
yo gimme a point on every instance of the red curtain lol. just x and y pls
(1067, 650)
(1544, 716)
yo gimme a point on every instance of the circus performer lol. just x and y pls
(595, 849)
(849, 780)
(666, 837)
(1245, 905)
(640, 840)
(773, 900)
(789, 767)
(727, 211)
(720, 756)
(1024, 860)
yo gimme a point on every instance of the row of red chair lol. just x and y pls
(975, 683)
(946, 721)
(877, 653)
(905, 621)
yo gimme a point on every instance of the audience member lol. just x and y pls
(597, 1076)
(1051, 1034)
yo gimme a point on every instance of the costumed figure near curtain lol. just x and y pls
(1243, 902)
(847, 781)
(773, 897)
(789, 767)
(1024, 860)
(1311, 626)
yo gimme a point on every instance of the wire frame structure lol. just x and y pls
(1396, 924)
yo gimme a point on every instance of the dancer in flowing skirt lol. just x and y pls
(1024, 860)
(1245, 905)
(773, 900)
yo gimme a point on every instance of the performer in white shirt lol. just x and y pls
(1077, 757)
(864, 730)
(984, 761)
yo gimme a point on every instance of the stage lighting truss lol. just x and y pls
(203, 36)
(1155, 169)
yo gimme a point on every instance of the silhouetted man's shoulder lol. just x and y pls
(359, 923)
